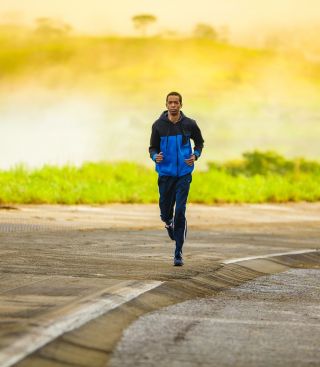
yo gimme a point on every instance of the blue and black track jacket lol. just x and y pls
(173, 140)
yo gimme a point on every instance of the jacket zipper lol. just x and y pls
(177, 156)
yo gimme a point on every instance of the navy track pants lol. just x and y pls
(172, 202)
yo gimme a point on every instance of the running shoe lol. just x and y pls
(170, 230)
(178, 261)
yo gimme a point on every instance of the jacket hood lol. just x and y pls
(164, 116)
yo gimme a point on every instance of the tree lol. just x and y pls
(205, 31)
(49, 27)
(142, 21)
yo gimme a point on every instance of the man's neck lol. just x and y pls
(174, 118)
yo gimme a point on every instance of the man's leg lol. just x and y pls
(180, 222)
(167, 192)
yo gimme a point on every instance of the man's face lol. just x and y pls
(173, 105)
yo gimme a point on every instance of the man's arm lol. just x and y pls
(154, 147)
(196, 136)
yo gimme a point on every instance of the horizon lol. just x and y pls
(246, 21)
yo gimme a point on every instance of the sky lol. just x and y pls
(106, 16)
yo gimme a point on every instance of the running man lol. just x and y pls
(170, 148)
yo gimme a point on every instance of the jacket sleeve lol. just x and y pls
(196, 136)
(154, 147)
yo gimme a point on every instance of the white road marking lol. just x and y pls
(88, 310)
(206, 320)
(233, 261)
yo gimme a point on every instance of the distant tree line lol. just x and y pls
(142, 22)
(48, 27)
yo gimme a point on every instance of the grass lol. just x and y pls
(257, 178)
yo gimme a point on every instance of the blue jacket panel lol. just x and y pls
(173, 140)
(174, 154)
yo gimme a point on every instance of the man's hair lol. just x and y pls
(174, 94)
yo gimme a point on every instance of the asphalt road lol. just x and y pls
(271, 321)
(74, 278)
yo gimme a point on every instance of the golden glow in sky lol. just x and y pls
(106, 16)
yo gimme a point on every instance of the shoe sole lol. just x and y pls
(178, 264)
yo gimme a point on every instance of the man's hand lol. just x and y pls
(159, 157)
(190, 160)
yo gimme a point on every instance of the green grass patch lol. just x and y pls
(258, 177)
